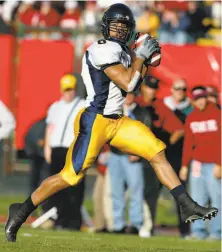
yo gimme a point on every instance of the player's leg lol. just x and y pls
(135, 138)
(81, 155)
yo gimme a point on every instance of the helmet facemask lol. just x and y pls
(123, 29)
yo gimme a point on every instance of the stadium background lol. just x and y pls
(33, 60)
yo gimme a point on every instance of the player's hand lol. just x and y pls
(217, 171)
(183, 174)
(147, 48)
(133, 159)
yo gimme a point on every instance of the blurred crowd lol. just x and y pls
(189, 125)
(177, 22)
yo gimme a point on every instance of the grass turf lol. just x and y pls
(30, 240)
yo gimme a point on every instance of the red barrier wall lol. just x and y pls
(6, 51)
(42, 64)
(198, 65)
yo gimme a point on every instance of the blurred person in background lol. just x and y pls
(59, 135)
(196, 29)
(48, 17)
(7, 121)
(99, 201)
(167, 127)
(71, 17)
(148, 22)
(202, 152)
(4, 28)
(179, 103)
(26, 14)
(8, 9)
(126, 171)
(173, 27)
(212, 95)
(89, 16)
(34, 149)
(7, 125)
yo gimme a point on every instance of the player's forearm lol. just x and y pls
(126, 78)
(132, 74)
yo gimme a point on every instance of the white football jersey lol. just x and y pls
(104, 97)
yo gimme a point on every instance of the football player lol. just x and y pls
(109, 71)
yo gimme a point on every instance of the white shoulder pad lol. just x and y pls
(105, 52)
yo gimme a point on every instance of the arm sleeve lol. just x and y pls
(188, 144)
(105, 55)
(50, 114)
(7, 121)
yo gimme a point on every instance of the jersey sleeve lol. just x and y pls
(105, 53)
(50, 114)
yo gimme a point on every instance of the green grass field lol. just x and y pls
(30, 240)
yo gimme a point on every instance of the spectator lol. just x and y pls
(127, 170)
(27, 15)
(59, 136)
(70, 18)
(8, 7)
(4, 28)
(7, 125)
(98, 192)
(165, 126)
(196, 29)
(179, 102)
(89, 17)
(7, 121)
(212, 95)
(202, 151)
(173, 27)
(34, 143)
(48, 18)
(180, 105)
(148, 22)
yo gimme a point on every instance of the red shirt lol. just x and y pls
(28, 17)
(50, 19)
(70, 20)
(202, 136)
(166, 118)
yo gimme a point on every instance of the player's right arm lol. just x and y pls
(130, 78)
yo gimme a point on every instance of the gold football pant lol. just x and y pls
(93, 131)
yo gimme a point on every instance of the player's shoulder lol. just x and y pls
(104, 52)
(103, 44)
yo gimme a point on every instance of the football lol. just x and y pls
(156, 57)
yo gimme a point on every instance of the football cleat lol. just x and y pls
(190, 211)
(13, 223)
